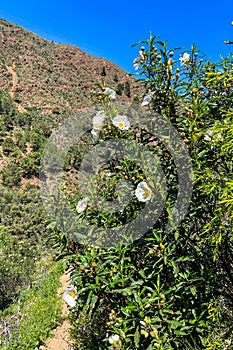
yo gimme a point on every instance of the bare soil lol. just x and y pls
(61, 339)
(10, 69)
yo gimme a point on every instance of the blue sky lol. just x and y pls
(108, 28)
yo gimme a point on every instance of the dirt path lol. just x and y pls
(14, 79)
(10, 69)
(61, 340)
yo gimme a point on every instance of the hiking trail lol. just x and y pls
(61, 339)
(11, 70)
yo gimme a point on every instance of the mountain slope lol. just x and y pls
(53, 77)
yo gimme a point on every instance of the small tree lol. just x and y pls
(11, 175)
(115, 78)
(127, 88)
(8, 146)
(119, 89)
(103, 73)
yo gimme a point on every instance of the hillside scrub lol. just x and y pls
(23, 231)
(52, 77)
(27, 322)
(165, 290)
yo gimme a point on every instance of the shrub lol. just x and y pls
(23, 236)
(8, 146)
(120, 89)
(103, 72)
(164, 290)
(27, 323)
(11, 175)
(127, 88)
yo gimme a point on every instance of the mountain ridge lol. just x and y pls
(55, 77)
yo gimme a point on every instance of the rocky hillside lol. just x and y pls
(53, 77)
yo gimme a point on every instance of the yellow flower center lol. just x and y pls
(147, 193)
(73, 294)
(121, 125)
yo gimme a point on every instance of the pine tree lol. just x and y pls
(127, 88)
(103, 73)
(115, 78)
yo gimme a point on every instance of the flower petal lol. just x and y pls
(82, 204)
(143, 192)
(121, 122)
(70, 296)
(111, 93)
(113, 339)
(98, 121)
(147, 98)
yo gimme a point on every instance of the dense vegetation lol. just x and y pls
(29, 307)
(164, 290)
(27, 322)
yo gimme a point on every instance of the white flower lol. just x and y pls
(121, 122)
(207, 138)
(209, 135)
(212, 136)
(95, 135)
(111, 93)
(185, 59)
(98, 123)
(210, 132)
(114, 339)
(143, 192)
(137, 61)
(147, 98)
(82, 204)
(70, 296)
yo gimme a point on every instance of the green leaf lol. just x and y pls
(137, 338)
(150, 347)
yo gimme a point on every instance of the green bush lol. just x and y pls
(8, 146)
(120, 89)
(127, 88)
(103, 72)
(27, 323)
(164, 291)
(30, 165)
(23, 240)
(16, 265)
(11, 175)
